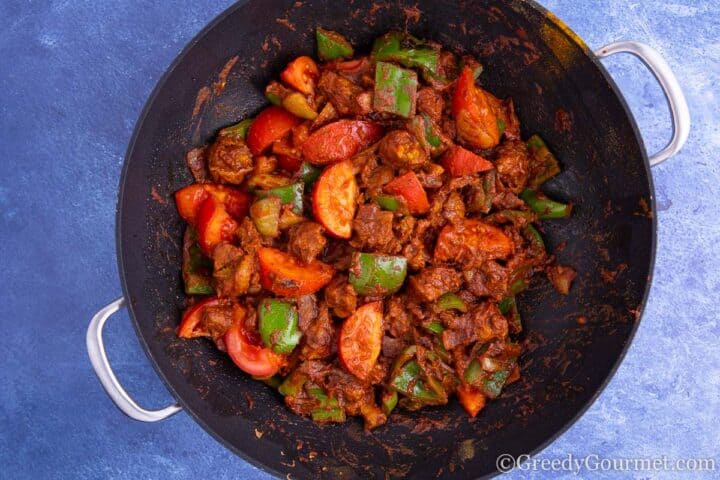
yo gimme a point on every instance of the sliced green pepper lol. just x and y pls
(293, 384)
(432, 138)
(407, 51)
(297, 104)
(395, 89)
(308, 173)
(288, 195)
(278, 325)
(265, 214)
(481, 200)
(533, 236)
(409, 382)
(544, 207)
(372, 274)
(335, 414)
(275, 92)
(506, 304)
(449, 301)
(435, 327)
(196, 268)
(501, 125)
(389, 401)
(517, 286)
(331, 45)
(237, 130)
(543, 164)
(388, 202)
(493, 384)
(473, 373)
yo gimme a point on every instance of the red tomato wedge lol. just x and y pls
(301, 75)
(409, 187)
(214, 225)
(459, 161)
(462, 241)
(471, 399)
(334, 197)
(475, 119)
(191, 324)
(288, 157)
(247, 350)
(339, 141)
(270, 125)
(361, 339)
(189, 199)
(283, 274)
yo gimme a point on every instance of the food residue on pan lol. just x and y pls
(156, 196)
(219, 85)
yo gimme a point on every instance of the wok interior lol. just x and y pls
(558, 92)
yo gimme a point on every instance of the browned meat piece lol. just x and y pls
(372, 229)
(341, 297)
(338, 254)
(307, 310)
(249, 237)
(507, 200)
(358, 71)
(392, 347)
(236, 272)
(326, 115)
(229, 160)
(454, 208)
(561, 277)
(264, 164)
(401, 150)
(481, 324)
(404, 228)
(356, 397)
(216, 319)
(320, 336)
(512, 164)
(431, 176)
(398, 321)
(306, 241)
(197, 164)
(342, 93)
(431, 103)
(432, 282)
(437, 202)
(491, 279)
(512, 123)
(416, 254)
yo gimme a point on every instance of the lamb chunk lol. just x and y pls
(341, 297)
(372, 229)
(216, 319)
(398, 320)
(229, 159)
(432, 282)
(235, 271)
(401, 150)
(307, 310)
(481, 324)
(306, 241)
(431, 103)
(197, 164)
(454, 207)
(320, 336)
(344, 95)
(512, 164)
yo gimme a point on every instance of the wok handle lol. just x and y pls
(670, 86)
(103, 370)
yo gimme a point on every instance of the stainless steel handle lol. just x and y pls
(99, 360)
(670, 86)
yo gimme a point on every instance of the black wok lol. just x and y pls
(561, 92)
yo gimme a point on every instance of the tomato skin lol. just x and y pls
(333, 199)
(192, 317)
(189, 199)
(475, 119)
(214, 225)
(284, 275)
(301, 75)
(288, 156)
(340, 140)
(459, 161)
(270, 125)
(247, 351)
(471, 399)
(463, 241)
(409, 187)
(360, 339)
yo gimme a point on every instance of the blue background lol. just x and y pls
(74, 76)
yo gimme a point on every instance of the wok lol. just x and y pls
(561, 91)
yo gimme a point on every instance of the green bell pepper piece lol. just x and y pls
(389, 401)
(506, 304)
(543, 164)
(278, 325)
(449, 301)
(308, 173)
(473, 373)
(293, 384)
(543, 207)
(388, 202)
(238, 130)
(493, 384)
(432, 138)
(372, 274)
(336, 414)
(501, 125)
(435, 327)
(534, 237)
(395, 89)
(409, 382)
(288, 195)
(331, 45)
(265, 214)
(407, 51)
(196, 268)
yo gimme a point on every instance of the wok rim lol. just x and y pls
(568, 33)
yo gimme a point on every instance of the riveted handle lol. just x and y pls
(104, 372)
(671, 88)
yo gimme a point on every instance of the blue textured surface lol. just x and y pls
(74, 77)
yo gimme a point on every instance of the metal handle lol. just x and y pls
(670, 86)
(99, 360)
